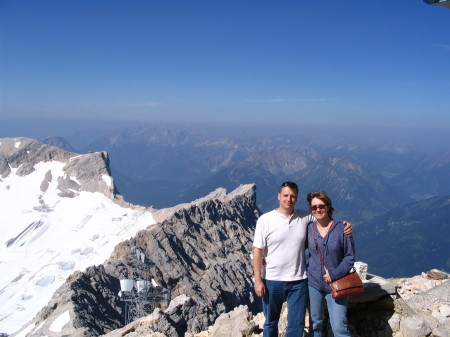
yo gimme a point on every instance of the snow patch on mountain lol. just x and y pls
(45, 236)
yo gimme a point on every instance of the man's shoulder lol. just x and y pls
(268, 214)
(299, 213)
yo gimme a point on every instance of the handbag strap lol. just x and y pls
(317, 245)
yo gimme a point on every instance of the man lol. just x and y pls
(279, 262)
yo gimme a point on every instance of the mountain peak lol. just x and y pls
(59, 142)
(80, 172)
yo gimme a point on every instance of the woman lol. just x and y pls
(337, 250)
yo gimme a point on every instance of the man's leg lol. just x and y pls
(316, 311)
(272, 303)
(337, 309)
(296, 293)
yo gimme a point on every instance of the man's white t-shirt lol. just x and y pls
(283, 241)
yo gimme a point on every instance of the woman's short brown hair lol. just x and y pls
(322, 196)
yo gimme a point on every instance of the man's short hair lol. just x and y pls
(293, 186)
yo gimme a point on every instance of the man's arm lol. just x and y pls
(260, 289)
(348, 228)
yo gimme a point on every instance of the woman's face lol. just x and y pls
(319, 209)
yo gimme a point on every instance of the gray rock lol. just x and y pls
(414, 327)
(361, 269)
(433, 305)
(394, 322)
(82, 172)
(236, 323)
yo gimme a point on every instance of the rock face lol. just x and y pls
(427, 296)
(89, 301)
(201, 250)
(90, 170)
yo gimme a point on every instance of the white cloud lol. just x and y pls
(147, 104)
(442, 46)
(286, 100)
(273, 100)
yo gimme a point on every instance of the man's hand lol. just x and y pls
(258, 262)
(348, 228)
(260, 289)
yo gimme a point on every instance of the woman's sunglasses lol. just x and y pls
(315, 207)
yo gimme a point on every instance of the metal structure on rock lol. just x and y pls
(143, 295)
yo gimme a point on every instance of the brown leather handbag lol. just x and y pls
(348, 285)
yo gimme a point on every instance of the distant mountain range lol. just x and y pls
(164, 167)
(383, 188)
(374, 185)
(406, 239)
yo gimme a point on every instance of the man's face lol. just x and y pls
(287, 197)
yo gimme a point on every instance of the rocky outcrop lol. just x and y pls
(201, 250)
(408, 307)
(86, 305)
(82, 172)
(414, 307)
(427, 301)
(236, 323)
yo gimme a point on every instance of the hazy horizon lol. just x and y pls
(81, 132)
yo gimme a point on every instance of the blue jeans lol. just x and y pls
(278, 292)
(337, 309)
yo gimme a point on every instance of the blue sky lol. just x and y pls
(361, 63)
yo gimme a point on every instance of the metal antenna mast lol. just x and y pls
(142, 294)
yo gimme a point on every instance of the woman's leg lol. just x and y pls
(316, 302)
(337, 309)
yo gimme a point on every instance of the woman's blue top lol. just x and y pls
(338, 252)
